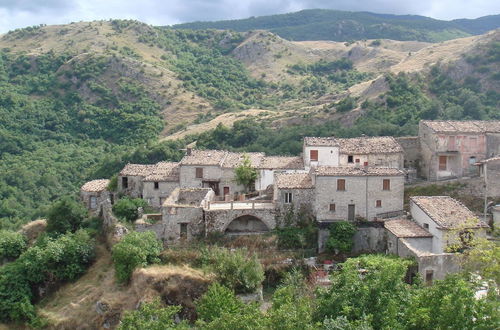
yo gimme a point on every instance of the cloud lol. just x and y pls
(21, 13)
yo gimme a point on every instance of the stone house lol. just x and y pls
(293, 190)
(131, 179)
(272, 165)
(382, 151)
(232, 160)
(202, 169)
(160, 183)
(93, 194)
(489, 170)
(347, 193)
(451, 148)
(449, 221)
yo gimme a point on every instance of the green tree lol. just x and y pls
(12, 244)
(135, 250)
(340, 238)
(245, 173)
(126, 209)
(218, 300)
(152, 316)
(370, 286)
(483, 258)
(65, 215)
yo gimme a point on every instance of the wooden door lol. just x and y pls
(443, 160)
(351, 209)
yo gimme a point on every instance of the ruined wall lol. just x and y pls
(492, 144)
(369, 238)
(301, 199)
(135, 186)
(492, 178)
(156, 197)
(411, 150)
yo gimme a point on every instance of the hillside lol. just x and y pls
(80, 100)
(323, 24)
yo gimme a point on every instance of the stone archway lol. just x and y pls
(246, 224)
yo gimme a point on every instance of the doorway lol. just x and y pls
(351, 211)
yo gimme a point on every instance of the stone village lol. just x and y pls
(355, 179)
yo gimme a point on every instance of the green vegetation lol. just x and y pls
(49, 261)
(217, 301)
(296, 229)
(340, 238)
(12, 244)
(245, 174)
(135, 250)
(65, 215)
(152, 316)
(126, 209)
(324, 24)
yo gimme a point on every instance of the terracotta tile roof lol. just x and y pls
(234, 159)
(471, 126)
(294, 181)
(164, 171)
(95, 185)
(204, 157)
(280, 162)
(356, 171)
(405, 228)
(447, 212)
(360, 145)
(137, 170)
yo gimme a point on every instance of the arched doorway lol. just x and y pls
(246, 224)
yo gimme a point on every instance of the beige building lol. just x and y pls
(293, 190)
(451, 148)
(160, 183)
(93, 194)
(131, 179)
(448, 220)
(272, 165)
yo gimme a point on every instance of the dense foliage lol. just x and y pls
(245, 174)
(49, 261)
(151, 316)
(127, 209)
(340, 236)
(12, 244)
(65, 215)
(296, 229)
(217, 301)
(324, 24)
(135, 250)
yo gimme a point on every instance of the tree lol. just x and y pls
(152, 316)
(65, 215)
(12, 244)
(483, 258)
(135, 250)
(218, 300)
(127, 209)
(245, 173)
(340, 238)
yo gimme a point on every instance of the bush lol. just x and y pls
(218, 300)
(135, 250)
(151, 316)
(297, 230)
(65, 215)
(235, 269)
(127, 209)
(12, 244)
(340, 238)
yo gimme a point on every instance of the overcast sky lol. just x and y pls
(21, 13)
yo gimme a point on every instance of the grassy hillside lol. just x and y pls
(323, 24)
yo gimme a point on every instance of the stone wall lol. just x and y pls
(369, 238)
(219, 220)
(301, 198)
(392, 160)
(492, 144)
(156, 197)
(135, 186)
(492, 178)
(411, 149)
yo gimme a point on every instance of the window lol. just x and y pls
(288, 198)
(442, 163)
(426, 225)
(199, 172)
(378, 203)
(386, 184)
(183, 230)
(451, 143)
(156, 185)
(313, 155)
(357, 160)
(124, 182)
(341, 184)
(365, 164)
(93, 202)
(350, 159)
(332, 207)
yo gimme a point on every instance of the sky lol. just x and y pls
(22, 13)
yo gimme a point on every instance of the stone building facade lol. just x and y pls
(160, 183)
(489, 170)
(93, 194)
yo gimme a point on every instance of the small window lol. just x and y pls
(358, 160)
(429, 274)
(183, 230)
(379, 203)
(156, 185)
(341, 184)
(288, 198)
(332, 207)
(386, 184)
(426, 225)
(314, 155)
(124, 182)
(199, 172)
(350, 159)
(93, 202)
(365, 164)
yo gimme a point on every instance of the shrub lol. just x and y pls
(65, 215)
(245, 173)
(340, 238)
(296, 230)
(12, 244)
(127, 209)
(135, 250)
(151, 316)
(218, 300)
(235, 269)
